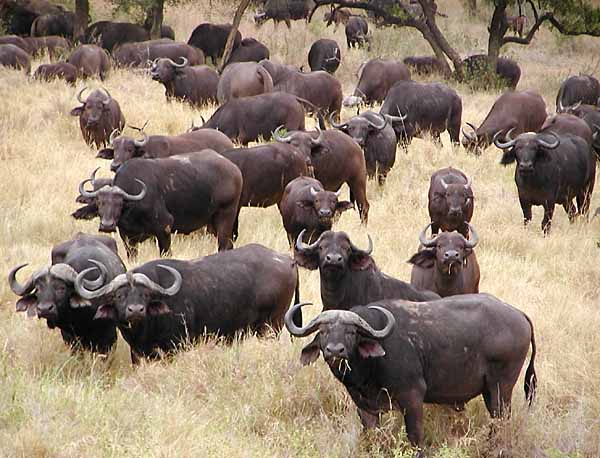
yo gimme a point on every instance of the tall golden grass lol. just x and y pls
(253, 398)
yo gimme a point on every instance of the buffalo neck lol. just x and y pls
(448, 285)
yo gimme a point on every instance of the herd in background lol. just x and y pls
(393, 344)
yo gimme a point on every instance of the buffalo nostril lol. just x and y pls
(335, 349)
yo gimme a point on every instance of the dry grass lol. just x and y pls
(253, 398)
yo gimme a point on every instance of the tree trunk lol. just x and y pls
(82, 13)
(472, 7)
(497, 30)
(231, 38)
(156, 13)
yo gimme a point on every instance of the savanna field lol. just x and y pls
(254, 398)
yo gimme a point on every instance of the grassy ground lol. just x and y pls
(253, 399)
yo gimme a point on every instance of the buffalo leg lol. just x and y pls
(368, 419)
(548, 213)
(224, 221)
(130, 245)
(526, 207)
(584, 199)
(358, 191)
(571, 210)
(497, 397)
(413, 420)
(164, 243)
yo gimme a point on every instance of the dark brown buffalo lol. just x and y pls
(109, 35)
(141, 53)
(451, 201)
(582, 89)
(377, 138)
(566, 123)
(523, 111)
(17, 41)
(249, 50)
(90, 60)
(395, 354)
(517, 24)
(195, 85)
(357, 32)
(284, 10)
(123, 148)
(447, 264)
(551, 169)
(61, 70)
(165, 304)
(211, 39)
(417, 109)
(18, 15)
(53, 45)
(591, 115)
(245, 119)
(49, 293)
(336, 159)
(14, 57)
(507, 70)
(158, 197)
(349, 275)
(307, 207)
(90, 209)
(99, 115)
(60, 24)
(324, 54)
(426, 65)
(320, 88)
(375, 78)
(243, 79)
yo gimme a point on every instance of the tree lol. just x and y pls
(472, 7)
(237, 18)
(82, 14)
(154, 19)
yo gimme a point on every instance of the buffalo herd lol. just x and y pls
(434, 339)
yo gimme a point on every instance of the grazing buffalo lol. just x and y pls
(18, 15)
(61, 70)
(517, 24)
(522, 111)
(284, 10)
(375, 78)
(582, 89)
(349, 275)
(157, 197)
(377, 139)
(395, 354)
(14, 57)
(141, 53)
(49, 293)
(426, 65)
(319, 88)
(245, 119)
(123, 148)
(249, 50)
(307, 207)
(551, 169)
(357, 32)
(109, 35)
(18, 42)
(99, 115)
(447, 265)
(195, 85)
(90, 60)
(90, 209)
(336, 159)
(211, 39)
(243, 79)
(324, 55)
(166, 303)
(507, 70)
(420, 108)
(566, 123)
(53, 45)
(59, 24)
(450, 201)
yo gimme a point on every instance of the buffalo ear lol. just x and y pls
(368, 348)
(424, 258)
(106, 312)
(156, 308)
(86, 212)
(305, 203)
(77, 111)
(343, 206)
(25, 303)
(78, 301)
(106, 153)
(309, 259)
(311, 352)
(508, 157)
(360, 261)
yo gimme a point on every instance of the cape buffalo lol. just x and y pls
(180, 193)
(426, 65)
(307, 207)
(375, 78)
(90, 60)
(245, 119)
(90, 209)
(141, 53)
(108, 34)
(447, 265)
(507, 70)
(336, 159)
(196, 85)
(18, 42)
(451, 201)
(99, 115)
(566, 123)
(249, 50)
(62, 70)
(284, 10)
(591, 115)
(551, 169)
(377, 139)
(14, 57)
(53, 45)
(395, 354)
(583, 89)
(423, 108)
(19, 15)
(243, 79)
(123, 148)
(522, 111)
(249, 288)
(211, 39)
(60, 24)
(357, 32)
(324, 54)
(49, 293)
(349, 275)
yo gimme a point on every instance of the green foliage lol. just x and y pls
(137, 9)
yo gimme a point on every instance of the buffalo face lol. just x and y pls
(125, 148)
(527, 150)
(325, 205)
(93, 108)
(164, 69)
(360, 127)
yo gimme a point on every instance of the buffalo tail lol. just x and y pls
(530, 376)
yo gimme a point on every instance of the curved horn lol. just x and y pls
(392, 118)
(108, 96)
(139, 196)
(301, 246)
(313, 192)
(545, 144)
(469, 183)
(277, 136)
(15, 286)
(301, 331)
(112, 137)
(574, 106)
(338, 193)
(470, 137)
(382, 333)
(378, 126)
(89, 194)
(116, 283)
(141, 143)
(319, 139)
(343, 125)
(368, 251)
(79, 95)
(98, 282)
(561, 107)
(472, 243)
(183, 64)
(506, 145)
(423, 238)
(63, 272)
(444, 184)
(139, 278)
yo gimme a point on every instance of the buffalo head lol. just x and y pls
(342, 335)
(360, 127)
(129, 297)
(93, 107)
(165, 70)
(123, 148)
(303, 141)
(325, 204)
(458, 197)
(527, 149)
